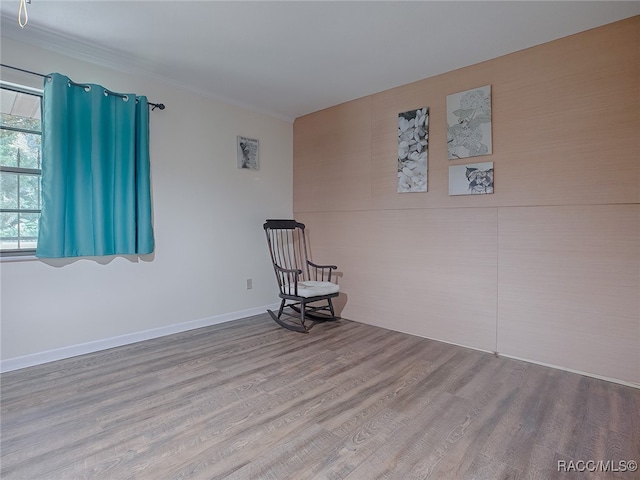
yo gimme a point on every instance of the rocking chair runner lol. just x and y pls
(301, 281)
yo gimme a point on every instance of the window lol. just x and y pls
(20, 168)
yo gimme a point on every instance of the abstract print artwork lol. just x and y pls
(473, 179)
(469, 123)
(248, 153)
(413, 137)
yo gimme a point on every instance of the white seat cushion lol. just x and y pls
(312, 288)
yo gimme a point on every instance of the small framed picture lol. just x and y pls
(471, 179)
(248, 153)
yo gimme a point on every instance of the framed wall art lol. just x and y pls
(469, 123)
(413, 138)
(248, 153)
(472, 179)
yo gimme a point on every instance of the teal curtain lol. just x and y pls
(96, 188)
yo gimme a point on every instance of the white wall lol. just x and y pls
(208, 219)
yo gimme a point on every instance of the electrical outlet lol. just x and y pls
(249, 283)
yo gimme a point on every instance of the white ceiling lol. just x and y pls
(295, 57)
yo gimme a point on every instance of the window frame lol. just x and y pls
(22, 252)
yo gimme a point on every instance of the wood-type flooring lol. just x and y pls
(249, 400)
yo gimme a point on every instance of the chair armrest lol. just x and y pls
(321, 272)
(288, 279)
(290, 270)
(332, 267)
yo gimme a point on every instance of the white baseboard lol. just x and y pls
(91, 347)
(33, 359)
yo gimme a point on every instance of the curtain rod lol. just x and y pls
(154, 105)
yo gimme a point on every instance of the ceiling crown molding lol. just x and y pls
(47, 39)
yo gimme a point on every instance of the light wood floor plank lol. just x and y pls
(250, 400)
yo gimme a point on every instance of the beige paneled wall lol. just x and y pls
(336, 147)
(568, 286)
(548, 267)
(417, 271)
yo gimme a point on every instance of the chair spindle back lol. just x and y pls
(288, 248)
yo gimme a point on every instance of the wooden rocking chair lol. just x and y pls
(301, 282)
